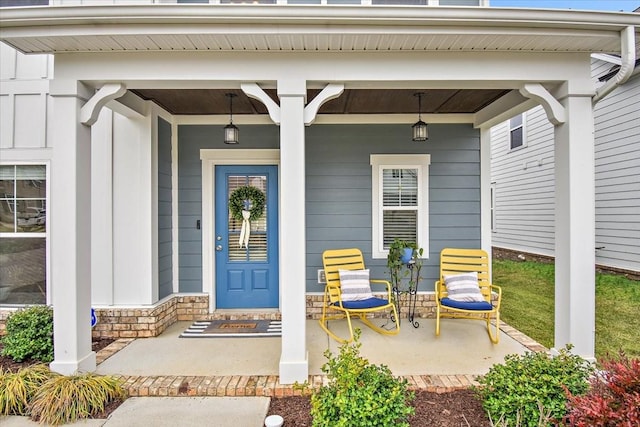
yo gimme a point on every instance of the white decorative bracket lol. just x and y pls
(254, 91)
(91, 109)
(555, 111)
(330, 91)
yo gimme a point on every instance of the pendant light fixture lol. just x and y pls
(231, 131)
(420, 132)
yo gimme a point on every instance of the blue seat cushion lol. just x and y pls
(484, 305)
(364, 303)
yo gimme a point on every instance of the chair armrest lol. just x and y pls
(386, 282)
(438, 290)
(498, 290)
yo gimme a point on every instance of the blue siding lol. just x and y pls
(165, 241)
(338, 188)
(193, 138)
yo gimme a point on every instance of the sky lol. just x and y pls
(610, 5)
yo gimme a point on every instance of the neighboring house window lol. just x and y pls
(516, 132)
(23, 226)
(400, 200)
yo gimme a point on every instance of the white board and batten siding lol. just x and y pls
(523, 180)
(24, 101)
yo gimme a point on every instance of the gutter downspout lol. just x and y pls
(628, 56)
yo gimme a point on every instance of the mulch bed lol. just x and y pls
(8, 364)
(455, 409)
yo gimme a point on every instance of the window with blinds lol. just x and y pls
(399, 205)
(400, 200)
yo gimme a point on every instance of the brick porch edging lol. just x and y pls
(268, 385)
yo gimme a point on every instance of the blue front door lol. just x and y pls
(246, 252)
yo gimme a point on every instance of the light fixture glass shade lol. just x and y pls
(420, 132)
(231, 134)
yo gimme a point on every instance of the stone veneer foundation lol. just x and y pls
(151, 321)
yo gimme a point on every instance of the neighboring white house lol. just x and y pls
(522, 176)
(115, 179)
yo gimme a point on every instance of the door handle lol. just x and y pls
(218, 248)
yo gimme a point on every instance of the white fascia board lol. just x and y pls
(416, 70)
(87, 18)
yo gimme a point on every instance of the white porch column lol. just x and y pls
(70, 229)
(102, 209)
(575, 228)
(294, 360)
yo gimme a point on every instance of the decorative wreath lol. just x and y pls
(240, 195)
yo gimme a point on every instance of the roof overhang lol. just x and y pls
(62, 29)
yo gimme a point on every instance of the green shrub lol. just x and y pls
(29, 334)
(532, 386)
(18, 388)
(66, 399)
(358, 393)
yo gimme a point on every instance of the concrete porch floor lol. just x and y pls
(168, 365)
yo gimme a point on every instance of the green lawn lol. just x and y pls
(527, 305)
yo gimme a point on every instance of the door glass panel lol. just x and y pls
(257, 248)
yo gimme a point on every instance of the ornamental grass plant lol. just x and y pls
(18, 388)
(66, 399)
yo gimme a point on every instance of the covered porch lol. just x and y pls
(479, 67)
(170, 365)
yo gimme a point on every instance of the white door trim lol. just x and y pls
(210, 159)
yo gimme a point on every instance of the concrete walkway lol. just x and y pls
(174, 411)
(228, 381)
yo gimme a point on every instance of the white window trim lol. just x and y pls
(379, 162)
(524, 133)
(46, 234)
(210, 159)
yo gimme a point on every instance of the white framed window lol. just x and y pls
(400, 200)
(517, 135)
(23, 233)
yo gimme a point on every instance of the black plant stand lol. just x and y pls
(408, 294)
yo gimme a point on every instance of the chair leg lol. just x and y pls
(378, 329)
(324, 324)
(437, 320)
(494, 332)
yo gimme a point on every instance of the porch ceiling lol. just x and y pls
(352, 101)
(310, 28)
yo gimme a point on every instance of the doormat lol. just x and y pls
(233, 329)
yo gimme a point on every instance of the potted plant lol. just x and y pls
(404, 262)
(401, 254)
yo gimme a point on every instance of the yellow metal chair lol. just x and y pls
(458, 269)
(338, 305)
